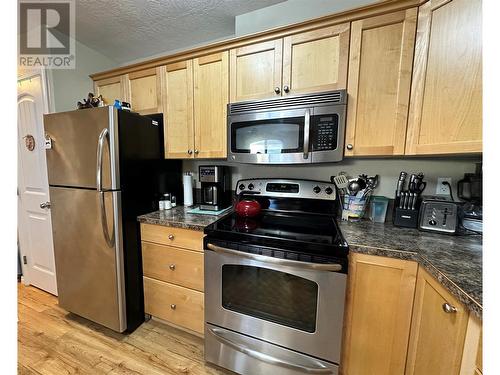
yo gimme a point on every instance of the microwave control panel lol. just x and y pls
(324, 132)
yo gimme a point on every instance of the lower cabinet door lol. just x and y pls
(439, 324)
(378, 315)
(174, 304)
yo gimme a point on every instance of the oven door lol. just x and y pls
(297, 305)
(279, 137)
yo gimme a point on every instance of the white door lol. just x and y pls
(34, 222)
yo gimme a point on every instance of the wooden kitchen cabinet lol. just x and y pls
(178, 104)
(438, 329)
(144, 90)
(196, 97)
(173, 275)
(211, 95)
(378, 315)
(111, 89)
(472, 357)
(316, 60)
(380, 67)
(446, 97)
(305, 62)
(255, 71)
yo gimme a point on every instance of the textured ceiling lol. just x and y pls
(126, 30)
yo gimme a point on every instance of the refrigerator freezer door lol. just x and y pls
(72, 160)
(90, 274)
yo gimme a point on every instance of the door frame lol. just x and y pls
(48, 107)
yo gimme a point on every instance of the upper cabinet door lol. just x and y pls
(316, 60)
(446, 96)
(110, 89)
(380, 66)
(178, 104)
(437, 331)
(144, 91)
(211, 95)
(255, 71)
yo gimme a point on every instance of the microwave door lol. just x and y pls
(280, 137)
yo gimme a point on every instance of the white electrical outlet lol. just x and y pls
(443, 189)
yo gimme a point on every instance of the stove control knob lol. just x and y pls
(328, 190)
(317, 189)
(250, 186)
(241, 187)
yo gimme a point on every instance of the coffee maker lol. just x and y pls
(215, 187)
(470, 190)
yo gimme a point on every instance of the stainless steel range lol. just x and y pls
(275, 284)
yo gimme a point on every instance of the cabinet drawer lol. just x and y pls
(173, 265)
(177, 237)
(175, 304)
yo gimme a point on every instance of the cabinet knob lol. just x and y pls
(170, 237)
(350, 146)
(286, 88)
(190, 151)
(447, 308)
(277, 90)
(196, 152)
(173, 306)
(172, 267)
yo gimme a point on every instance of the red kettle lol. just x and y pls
(246, 207)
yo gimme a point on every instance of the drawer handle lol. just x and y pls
(170, 237)
(172, 267)
(173, 306)
(447, 308)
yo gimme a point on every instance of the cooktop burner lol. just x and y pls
(297, 224)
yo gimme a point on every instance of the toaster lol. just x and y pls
(438, 214)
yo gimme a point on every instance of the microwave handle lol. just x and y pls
(307, 118)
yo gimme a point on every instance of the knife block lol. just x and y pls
(406, 218)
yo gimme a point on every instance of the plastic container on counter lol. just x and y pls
(378, 208)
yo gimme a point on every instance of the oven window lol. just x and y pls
(271, 295)
(278, 136)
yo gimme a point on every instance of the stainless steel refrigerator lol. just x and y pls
(105, 167)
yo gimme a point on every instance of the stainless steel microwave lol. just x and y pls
(290, 130)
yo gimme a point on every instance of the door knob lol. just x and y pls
(286, 88)
(277, 90)
(350, 146)
(45, 205)
(447, 308)
(172, 267)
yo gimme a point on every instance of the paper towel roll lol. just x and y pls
(187, 182)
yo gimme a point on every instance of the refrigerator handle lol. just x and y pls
(110, 240)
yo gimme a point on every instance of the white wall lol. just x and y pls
(71, 85)
(387, 169)
(291, 11)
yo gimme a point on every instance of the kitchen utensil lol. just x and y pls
(401, 199)
(341, 182)
(353, 186)
(372, 182)
(247, 207)
(414, 202)
(401, 183)
(362, 182)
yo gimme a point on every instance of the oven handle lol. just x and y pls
(217, 333)
(307, 118)
(334, 267)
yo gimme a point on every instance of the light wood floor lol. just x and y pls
(52, 341)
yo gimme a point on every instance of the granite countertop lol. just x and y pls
(455, 261)
(180, 218)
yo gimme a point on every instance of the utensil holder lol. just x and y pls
(353, 207)
(407, 218)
